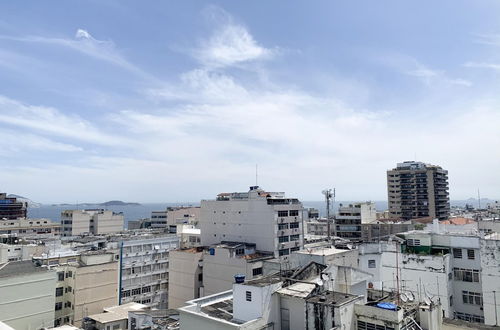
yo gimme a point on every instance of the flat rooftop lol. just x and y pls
(264, 281)
(322, 251)
(18, 268)
(332, 298)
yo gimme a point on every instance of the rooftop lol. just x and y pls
(300, 290)
(116, 313)
(264, 280)
(17, 268)
(332, 298)
(457, 221)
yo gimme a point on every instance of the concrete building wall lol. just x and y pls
(294, 309)
(27, 300)
(95, 287)
(107, 222)
(490, 279)
(185, 276)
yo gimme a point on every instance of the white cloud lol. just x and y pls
(53, 122)
(230, 44)
(488, 39)
(483, 65)
(429, 76)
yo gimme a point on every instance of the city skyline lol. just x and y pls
(180, 101)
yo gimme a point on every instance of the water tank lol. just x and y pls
(211, 251)
(386, 305)
(239, 278)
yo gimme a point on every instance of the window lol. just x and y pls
(200, 277)
(469, 317)
(466, 275)
(59, 292)
(295, 249)
(457, 253)
(58, 306)
(257, 271)
(282, 226)
(413, 242)
(146, 289)
(294, 213)
(136, 291)
(451, 300)
(240, 251)
(472, 298)
(248, 296)
(126, 293)
(372, 264)
(284, 252)
(294, 225)
(372, 326)
(282, 213)
(70, 273)
(117, 326)
(294, 237)
(60, 276)
(67, 304)
(470, 254)
(66, 319)
(283, 239)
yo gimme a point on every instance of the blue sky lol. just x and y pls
(177, 101)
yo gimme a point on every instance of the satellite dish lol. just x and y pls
(320, 283)
(410, 296)
(427, 301)
(325, 277)
(403, 297)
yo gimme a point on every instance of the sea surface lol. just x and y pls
(134, 212)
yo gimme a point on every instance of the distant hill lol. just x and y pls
(25, 199)
(118, 203)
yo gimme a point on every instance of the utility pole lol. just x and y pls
(496, 313)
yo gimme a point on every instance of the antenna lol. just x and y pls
(256, 175)
(479, 198)
(328, 196)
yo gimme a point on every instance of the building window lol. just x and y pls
(283, 239)
(146, 289)
(469, 317)
(451, 300)
(257, 271)
(200, 277)
(136, 291)
(472, 298)
(457, 253)
(294, 225)
(372, 264)
(70, 273)
(59, 292)
(284, 252)
(282, 226)
(58, 306)
(126, 293)
(60, 276)
(67, 304)
(413, 242)
(240, 251)
(248, 296)
(294, 213)
(470, 254)
(372, 326)
(466, 275)
(282, 213)
(295, 249)
(294, 237)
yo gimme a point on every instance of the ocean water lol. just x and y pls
(134, 212)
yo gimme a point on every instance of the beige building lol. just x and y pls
(30, 228)
(96, 222)
(85, 287)
(417, 190)
(186, 276)
(350, 218)
(26, 295)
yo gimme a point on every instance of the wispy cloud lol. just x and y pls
(53, 122)
(483, 65)
(430, 76)
(488, 39)
(230, 44)
(86, 44)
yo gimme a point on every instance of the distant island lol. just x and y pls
(118, 203)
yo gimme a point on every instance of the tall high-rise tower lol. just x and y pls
(418, 190)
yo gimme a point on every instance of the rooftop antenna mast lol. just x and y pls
(479, 198)
(328, 196)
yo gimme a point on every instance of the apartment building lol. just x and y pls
(26, 295)
(350, 218)
(223, 261)
(11, 208)
(25, 228)
(268, 219)
(461, 270)
(417, 190)
(145, 269)
(186, 276)
(94, 221)
(183, 216)
(85, 286)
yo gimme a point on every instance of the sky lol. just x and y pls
(172, 101)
